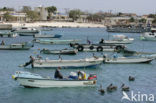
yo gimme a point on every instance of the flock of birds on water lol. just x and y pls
(112, 88)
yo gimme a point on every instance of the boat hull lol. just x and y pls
(67, 63)
(49, 83)
(47, 36)
(56, 41)
(127, 60)
(64, 52)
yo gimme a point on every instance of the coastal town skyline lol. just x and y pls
(139, 7)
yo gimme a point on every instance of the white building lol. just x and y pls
(43, 12)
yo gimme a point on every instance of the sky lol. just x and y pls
(131, 6)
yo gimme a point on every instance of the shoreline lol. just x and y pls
(57, 24)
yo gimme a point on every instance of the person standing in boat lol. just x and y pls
(2, 43)
(115, 56)
(88, 41)
(58, 75)
(30, 62)
(102, 41)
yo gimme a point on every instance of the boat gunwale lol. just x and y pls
(53, 79)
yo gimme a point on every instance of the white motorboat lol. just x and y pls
(24, 31)
(149, 36)
(127, 60)
(80, 63)
(28, 79)
(47, 36)
(119, 39)
(51, 41)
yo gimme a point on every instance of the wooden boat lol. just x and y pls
(63, 51)
(27, 79)
(124, 60)
(47, 36)
(24, 31)
(8, 34)
(51, 41)
(19, 46)
(80, 63)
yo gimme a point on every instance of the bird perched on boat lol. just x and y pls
(124, 88)
(131, 78)
(111, 88)
(101, 90)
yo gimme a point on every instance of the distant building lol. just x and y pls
(82, 18)
(20, 17)
(116, 21)
(1, 15)
(42, 11)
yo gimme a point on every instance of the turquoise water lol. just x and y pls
(12, 92)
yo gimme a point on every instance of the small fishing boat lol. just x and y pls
(127, 29)
(24, 31)
(51, 41)
(149, 36)
(80, 63)
(8, 34)
(127, 53)
(47, 36)
(63, 51)
(129, 60)
(119, 39)
(31, 80)
(19, 46)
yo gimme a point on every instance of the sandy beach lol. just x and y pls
(56, 24)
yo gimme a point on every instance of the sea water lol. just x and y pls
(117, 74)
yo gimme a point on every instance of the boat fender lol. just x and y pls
(91, 47)
(99, 49)
(80, 48)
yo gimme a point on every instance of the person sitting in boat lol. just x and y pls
(2, 43)
(115, 56)
(102, 41)
(30, 62)
(58, 75)
(60, 58)
(81, 75)
(104, 56)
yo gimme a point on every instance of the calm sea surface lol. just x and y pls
(12, 92)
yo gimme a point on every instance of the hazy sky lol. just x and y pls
(134, 6)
